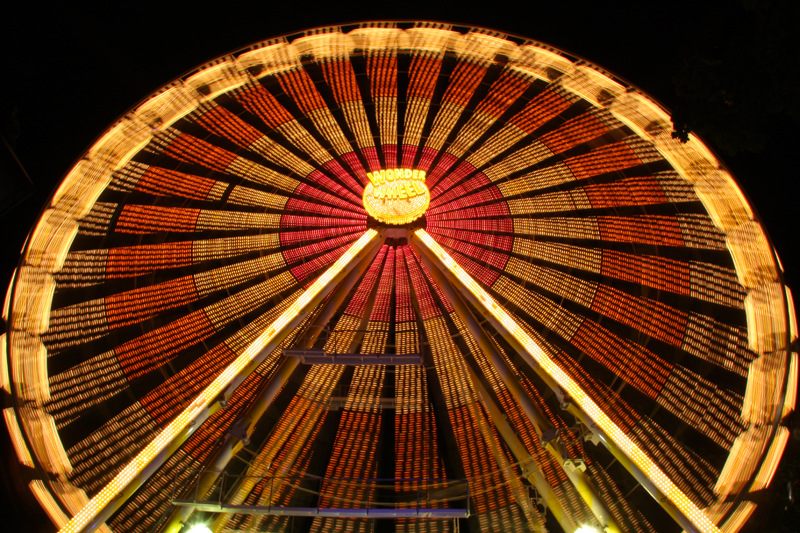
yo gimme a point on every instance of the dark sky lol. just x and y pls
(70, 71)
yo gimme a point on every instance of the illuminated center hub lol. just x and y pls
(396, 195)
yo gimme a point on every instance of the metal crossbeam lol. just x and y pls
(309, 357)
(402, 498)
(327, 512)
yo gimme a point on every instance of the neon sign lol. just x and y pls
(396, 195)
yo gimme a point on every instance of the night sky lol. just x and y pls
(71, 71)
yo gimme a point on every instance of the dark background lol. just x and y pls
(71, 70)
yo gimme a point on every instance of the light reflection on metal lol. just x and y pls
(203, 401)
(538, 357)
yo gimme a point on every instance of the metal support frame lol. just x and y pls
(500, 459)
(239, 434)
(540, 424)
(420, 493)
(212, 398)
(317, 358)
(517, 488)
(672, 499)
(526, 462)
(337, 300)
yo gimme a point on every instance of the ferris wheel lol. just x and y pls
(398, 277)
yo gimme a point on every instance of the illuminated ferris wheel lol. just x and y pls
(398, 277)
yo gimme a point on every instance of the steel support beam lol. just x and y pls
(541, 425)
(517, 489)
(118, 490)
(660, 486)
(247, 423)
(341, 294)
(375, 513)
(527, 463)
(498, 454)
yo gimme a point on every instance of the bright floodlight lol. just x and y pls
(202, 528)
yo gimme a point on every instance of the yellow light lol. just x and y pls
(587, 405)
(207, 396)
(396, 196)
(16, 437)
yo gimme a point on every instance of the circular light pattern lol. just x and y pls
(203, 221)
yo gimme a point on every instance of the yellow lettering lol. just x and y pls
(407, 184)
(391, 194)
